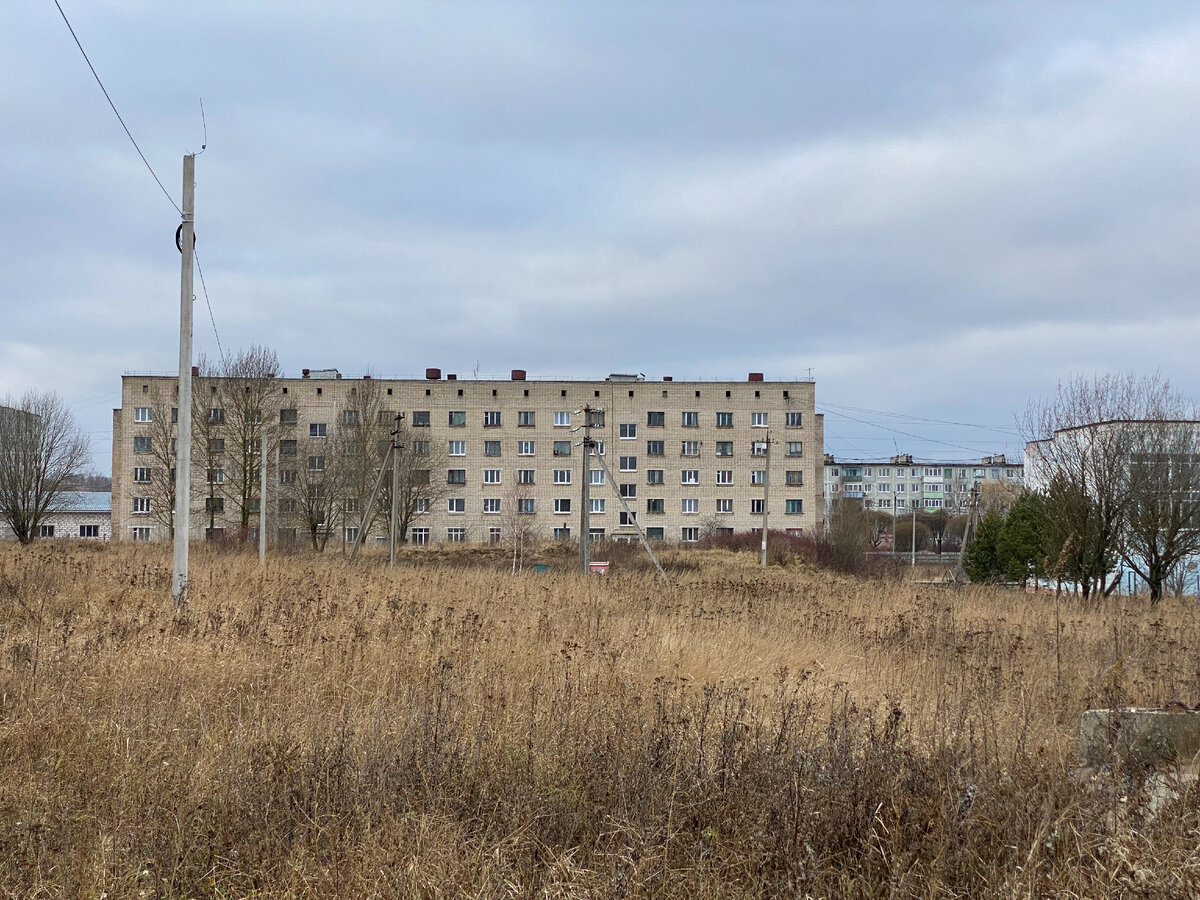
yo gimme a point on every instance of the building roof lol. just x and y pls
(86, 501)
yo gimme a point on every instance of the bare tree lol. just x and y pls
(314, 490)
(422, 481)
(850, 529)
(1101, 451)
(249, 392)
(208, 445)
(360, 443)
(42, 450)
(517, 522)
(164, 416)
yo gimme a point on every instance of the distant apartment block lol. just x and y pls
(682, 459)
(897, 484)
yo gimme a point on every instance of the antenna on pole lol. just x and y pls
(183, 444)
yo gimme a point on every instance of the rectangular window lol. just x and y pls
(725, 505)
(562, 476)
(595, 534)
(214, 504)
(900, 504)
(690, 506)
(140, 533)
(689, 534)
(689, 476)
(456, 476)
(420, 419)
(597, 448)
(423, 503)
(562, 505)
(793, 420)
(562, 448)
(287, 476)
(654, 476)
(525, 476)
(141, 444)
(351, 534)
(656, 419)
(883, 487)
(89, 531)
(419, 536)
(628, 432)
(142, 414)
(758, 420)
(495, 534)
(419, 448)
(884, 473)
(456, 504)
(491, 476)
(596, 505)
(317, 430)
(901, 487)
(141, 505)
(628, 491)
(562, 533)
(316, 464)
(526, 506)
(350, 417)
(934, 471)
(690, 448)
(491, 418)
(794, 477)
(491, 448)
(758, 448)
(655, 506)
(174, 415)
(526, 448)
(795, 448)
(216, 445)
(595, 476)
(216, 416)
(628, 518)
(724, 476)
(793, 507)
(456, 448)
(933, 502)
(628, 464)
(724, 448)
(724, 420)
(288, 417)
(287, 448)
(562, 418)
(525, 418)
(690, 420)
(756, 507)
(655, 448)
(457, 418)
(654, 533)
(758, 476)
(456, 535)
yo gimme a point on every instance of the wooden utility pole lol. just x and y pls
(395, 492)
(183, 443)
(585, 511)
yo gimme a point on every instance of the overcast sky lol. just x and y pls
(937, 210)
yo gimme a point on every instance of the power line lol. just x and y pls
(115, 111)
(208, 303)
(1012, 430)
(905, 433)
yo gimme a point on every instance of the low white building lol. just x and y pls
(84, 515)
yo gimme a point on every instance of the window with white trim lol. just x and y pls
(562, 419)
(419, 536)
(756, 507)
(525, 476)
(595, 476)
(491, 476)
(654, 476)
(793, 507)
(758, 476)
(525, 418)
(491, 448)
(140, 532)
(689, 534)
(689, 448)
(526, 506)
(758, 420)
(795, 448)
(628, 432)
(690, 420)
(724, 420)
(562, 505)
(456, 505)
(690, 506)
(724, 476)
(491, 505)
(141, 505)
(491, 418)
(689, 476)
(562, 476)
(456, 448)
(142, 414)
(628, 491)
(628, 464)
(596, 505)
(456, 535)
(724, 505)
(318, 429)
(793, 420)
(526, 448)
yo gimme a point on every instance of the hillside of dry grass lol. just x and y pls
(447, 729)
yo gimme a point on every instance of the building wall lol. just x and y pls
(318, 400)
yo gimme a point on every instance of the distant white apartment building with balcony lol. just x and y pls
(897, 484)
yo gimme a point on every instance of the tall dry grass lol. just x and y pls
(448, 730)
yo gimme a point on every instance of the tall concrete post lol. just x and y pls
(183, 443)
(766, 496)
(585, 512)
(262, 499)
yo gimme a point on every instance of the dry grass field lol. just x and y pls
(447, 729)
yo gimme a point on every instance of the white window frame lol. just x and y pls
(526, 448)
(491, 506)
(562, 418)
(492, 476)
(562, 506)
(143, 414)
(561, 477)
(758, 420)
(689, 506)
(724, 476)
(628, 431)
(456, 448)
(689, 476)
(456, 506)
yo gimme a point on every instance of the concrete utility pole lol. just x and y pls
(262, 499)
(183, 443)
(585, 512)
(913, 542)
(766, 494)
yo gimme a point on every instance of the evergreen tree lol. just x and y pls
(981, 560)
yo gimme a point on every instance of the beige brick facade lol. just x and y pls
(699, 438)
